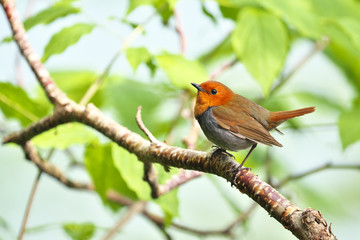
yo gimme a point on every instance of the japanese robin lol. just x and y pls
(233, 122)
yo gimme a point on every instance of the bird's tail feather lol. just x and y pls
(285, 115)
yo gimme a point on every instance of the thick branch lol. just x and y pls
(52, 91)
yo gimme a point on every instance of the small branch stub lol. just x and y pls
(143, 128)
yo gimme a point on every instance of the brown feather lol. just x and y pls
(243, 125)
(276, 118)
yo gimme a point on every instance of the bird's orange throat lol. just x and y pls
(202, 103)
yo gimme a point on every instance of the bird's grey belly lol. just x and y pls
(220, 136)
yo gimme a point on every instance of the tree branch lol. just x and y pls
(307, 224)
(32, 154)
(328, 165)
(222, 69)
(29, 204)
(150, 174)
(318, 47)
(133, 210)
(94, 87)
(180, 31)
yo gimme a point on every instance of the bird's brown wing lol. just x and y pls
(243, 125)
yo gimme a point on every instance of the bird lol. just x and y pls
(233, 122)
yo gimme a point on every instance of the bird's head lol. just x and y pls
(211, 94)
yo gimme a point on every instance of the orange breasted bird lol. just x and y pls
(234, 122)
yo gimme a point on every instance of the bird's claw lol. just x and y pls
(219, 149)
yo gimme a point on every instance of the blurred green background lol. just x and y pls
(291, 54)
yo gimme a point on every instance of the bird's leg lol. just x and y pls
(241, 168)
(221, 150)
(247, 155)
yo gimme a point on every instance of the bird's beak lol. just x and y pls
(198, 87)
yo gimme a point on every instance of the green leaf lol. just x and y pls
(131, 170)
(299, 14)
(169, 203)
(76, 83)
(352, 28)
(65, 38)
(181, 71)
(46, 16)
(207, 13)
(65, 135)
(260, 40)
(15, 103)
(343, 51)
(336, 8)
(163, 7)
(223, 50)
(172, 3)
(125, 95)
(104, 174)
(136, 56)
(79, 231)
(231, 8)
(349, 127)
(7, 39)
(58, 10)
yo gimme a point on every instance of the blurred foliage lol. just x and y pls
(260, 41)
(174, 66)
(81, 231)
(16, 104)
(62, 137)
(263, 34)
(58, 10)
(65, 38)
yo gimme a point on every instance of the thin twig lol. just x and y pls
(32, 195)
(180, 31)
(159, 221)
(125, 45)
(184, 96)
(226, 231)
(191, 139)
(72, 158)
(136, 208)
(245, 215)
(143, 128)
(177, 180)
(329, 165)
(222, 69)
(94, 87)
(318, 47)
(29, 204)
(157, 190)
(150, 176)
(32, 154)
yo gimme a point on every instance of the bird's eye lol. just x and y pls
(213, 91)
